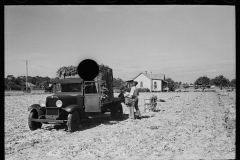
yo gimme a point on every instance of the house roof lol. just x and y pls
(30, 84)
(152, 76)
(156, 76)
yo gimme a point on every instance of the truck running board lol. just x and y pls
(47, 120)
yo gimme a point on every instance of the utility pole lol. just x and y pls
(27, 73)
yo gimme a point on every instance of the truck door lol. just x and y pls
(92, 97)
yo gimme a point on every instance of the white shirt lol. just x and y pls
(132, 90)
(127, 94)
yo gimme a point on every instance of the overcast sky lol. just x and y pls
(182, 42)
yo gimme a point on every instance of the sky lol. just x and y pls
(184, 42)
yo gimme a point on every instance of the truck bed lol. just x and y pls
(115, 99)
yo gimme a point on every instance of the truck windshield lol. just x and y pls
(69, 87)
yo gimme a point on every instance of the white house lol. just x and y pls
(154, 82)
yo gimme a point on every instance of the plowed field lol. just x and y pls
(188, 125)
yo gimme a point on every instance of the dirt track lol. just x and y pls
(190, 125)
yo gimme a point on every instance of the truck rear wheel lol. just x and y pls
(117, 111)
(73, 121)
(33, 125)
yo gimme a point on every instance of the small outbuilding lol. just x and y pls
(30, 85)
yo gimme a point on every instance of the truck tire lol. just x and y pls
(116, 111)
(73, 121)
(33, 125)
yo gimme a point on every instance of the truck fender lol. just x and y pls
(73, 107)
(40, 110)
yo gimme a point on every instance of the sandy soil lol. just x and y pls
(189, 125)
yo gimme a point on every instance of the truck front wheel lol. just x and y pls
(73, 121)
(33, 125)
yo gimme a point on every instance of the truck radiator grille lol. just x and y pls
(52, 111)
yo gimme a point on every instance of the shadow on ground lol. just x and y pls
(145, 117)
(91, 122)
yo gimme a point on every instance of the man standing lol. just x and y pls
(134, 96)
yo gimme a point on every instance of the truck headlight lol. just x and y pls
(59, 103)
(42, 103)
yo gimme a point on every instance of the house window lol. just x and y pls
(155, 85)
(141, 84)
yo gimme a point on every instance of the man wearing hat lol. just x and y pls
(134, 96)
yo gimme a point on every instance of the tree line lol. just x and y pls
(203, 82)
(19, 83)
(219, 81)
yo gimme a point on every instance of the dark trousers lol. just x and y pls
(135, 103)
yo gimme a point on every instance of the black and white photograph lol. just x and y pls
(119, 82)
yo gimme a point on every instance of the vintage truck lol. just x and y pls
(74, 100)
